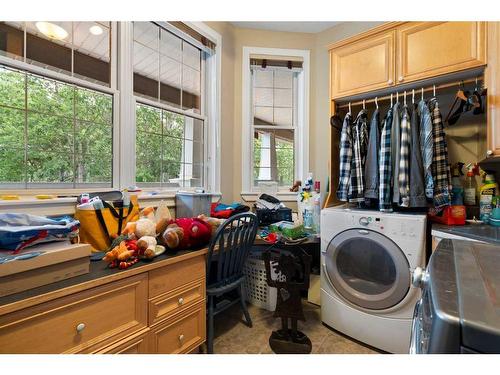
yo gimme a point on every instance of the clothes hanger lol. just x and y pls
(376, 102)
(413, 96)
(391, 100)
(404, 98)
(364, 104)
(434, 91)
(421, 93)
(397, 97)
(349, 107)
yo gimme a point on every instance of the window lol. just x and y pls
(170, 134)
(169, 148)
(62, 84)
(166, 68)
(79, 49)
(53, 133)
(274, 117)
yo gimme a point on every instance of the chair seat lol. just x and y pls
(215, 291)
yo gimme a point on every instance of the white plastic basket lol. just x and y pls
(256, 290)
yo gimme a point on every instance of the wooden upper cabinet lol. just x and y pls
(428, 49)
(363, 65)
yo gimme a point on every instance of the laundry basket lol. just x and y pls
(256, 290)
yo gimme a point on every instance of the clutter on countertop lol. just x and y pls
(19, 230)
(227, 211)
(309, 205)
(269, 210)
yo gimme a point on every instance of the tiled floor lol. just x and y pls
(233, 336)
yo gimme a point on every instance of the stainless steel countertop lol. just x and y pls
(481, 232)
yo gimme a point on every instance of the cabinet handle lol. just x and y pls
(390, 82)
(489, 153)
(401, 79)
(181, 338)
(181, 301)
(80, 327)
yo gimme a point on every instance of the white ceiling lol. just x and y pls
(297, 27)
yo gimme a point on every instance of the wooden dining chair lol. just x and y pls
(227, 253)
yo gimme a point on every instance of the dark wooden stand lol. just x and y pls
(292, 271)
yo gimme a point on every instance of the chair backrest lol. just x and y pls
(229, 249)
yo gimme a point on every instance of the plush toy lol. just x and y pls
(212, 221)
(146, 246)
(145, 227)
(195, 232)
(120, 252)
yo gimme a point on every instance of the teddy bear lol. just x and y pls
(186, 233)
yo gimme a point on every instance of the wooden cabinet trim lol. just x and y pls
(492, 81)
(140, 338)
(373, 31)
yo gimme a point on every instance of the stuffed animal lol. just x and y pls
(212, 221)
(146, 246)
(120, 252)
(195, 232)
(145, 227)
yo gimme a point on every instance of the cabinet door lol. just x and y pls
(427, 49)
(364, 65)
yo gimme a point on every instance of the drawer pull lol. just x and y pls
(80, 327)
(181, 301)
(181, 339)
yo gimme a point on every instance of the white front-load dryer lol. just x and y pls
(367, 258)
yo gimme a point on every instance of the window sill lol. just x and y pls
(284, 196)
(66, 206)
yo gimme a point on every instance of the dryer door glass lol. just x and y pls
(367, 269)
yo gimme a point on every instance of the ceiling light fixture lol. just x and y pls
(51, 30)
(95, 30)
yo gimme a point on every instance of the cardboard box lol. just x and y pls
(57, 261)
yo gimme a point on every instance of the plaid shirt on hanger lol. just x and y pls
(345, 159)
(385, 164)
(360, 143)
(440, 168)
(404, 160)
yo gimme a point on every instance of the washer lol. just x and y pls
(367, 258)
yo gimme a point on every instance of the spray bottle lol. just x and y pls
(457, 190)
(470, 186)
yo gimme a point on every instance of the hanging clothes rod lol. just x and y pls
(385, 97)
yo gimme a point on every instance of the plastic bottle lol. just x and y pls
(457, 190)
(316, 207)
(470, 187)
(488, 190)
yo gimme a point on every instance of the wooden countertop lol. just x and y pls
(99, 274)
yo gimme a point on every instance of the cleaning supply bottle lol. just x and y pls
(488, 190)
(316, 207)
(470, 187)
(457, 190)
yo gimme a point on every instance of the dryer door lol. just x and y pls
(367, 268)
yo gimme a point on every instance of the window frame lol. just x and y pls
(124, 102)
(301, 129)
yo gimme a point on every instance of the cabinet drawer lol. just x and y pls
(168, 278)
(180, 335)
(168, 304)
(135, 344)
(82, 322)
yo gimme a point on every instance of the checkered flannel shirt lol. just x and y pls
(385, 164)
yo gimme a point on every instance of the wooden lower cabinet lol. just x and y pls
(181, 334)
(160, 310)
